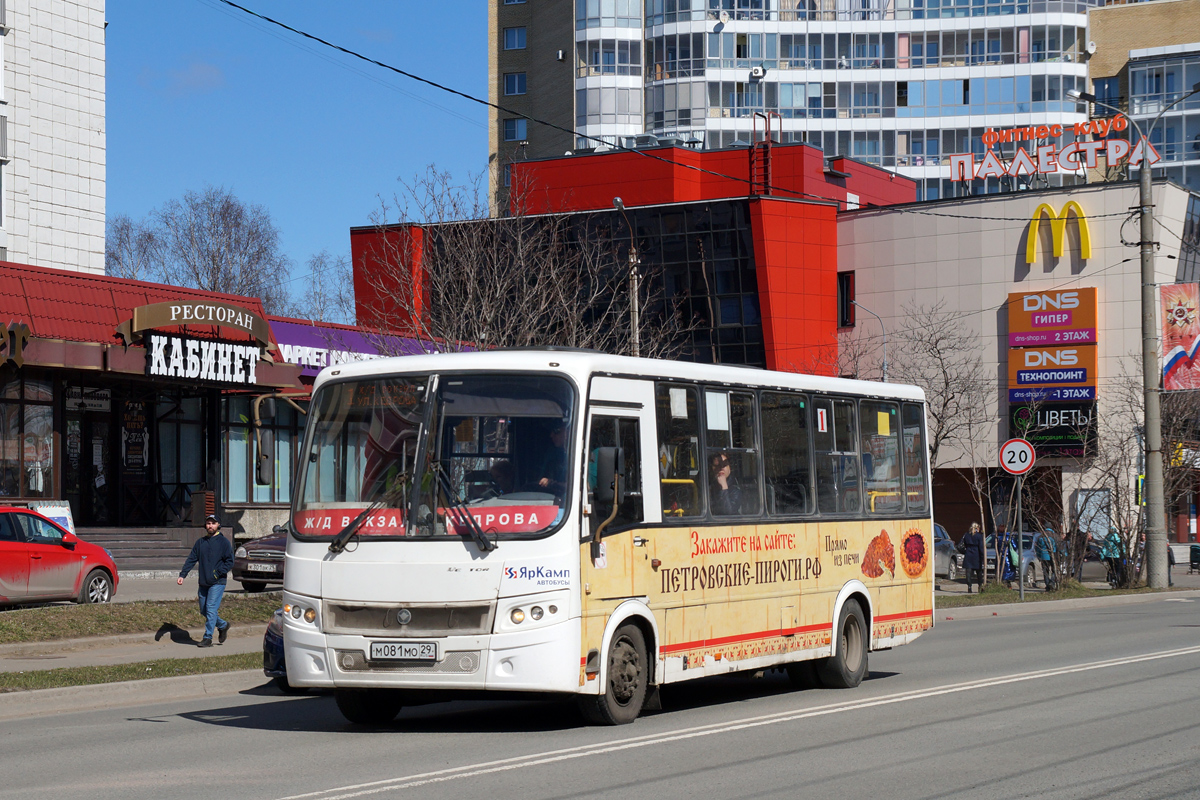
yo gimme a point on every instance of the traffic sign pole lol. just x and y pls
(1016, 458)
(1020, 548)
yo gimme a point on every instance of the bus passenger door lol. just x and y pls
(621, 415)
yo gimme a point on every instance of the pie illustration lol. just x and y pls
(914, 555)
(880, 554)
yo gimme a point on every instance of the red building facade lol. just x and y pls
(744, 239)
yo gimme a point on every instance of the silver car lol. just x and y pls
(945, 557)
(1029, 540)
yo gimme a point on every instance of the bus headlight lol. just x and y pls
(517, 616)
(536, 613)
(300, 612)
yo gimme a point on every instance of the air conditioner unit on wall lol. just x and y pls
(757, 72)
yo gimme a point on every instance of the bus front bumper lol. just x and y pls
(544, 659)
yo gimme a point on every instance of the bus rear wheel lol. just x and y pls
(627, 679)
(368, 706)
(847, 667)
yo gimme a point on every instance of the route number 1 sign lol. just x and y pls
(1016, 456)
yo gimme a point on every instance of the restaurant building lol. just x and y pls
(118, 398)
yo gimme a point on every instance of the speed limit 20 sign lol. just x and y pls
(1016, 456)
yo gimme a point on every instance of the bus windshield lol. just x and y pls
(434, 449)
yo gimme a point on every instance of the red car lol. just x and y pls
(39, 561)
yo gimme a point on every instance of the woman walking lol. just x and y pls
(972, 548)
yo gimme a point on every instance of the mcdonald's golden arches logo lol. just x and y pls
(1058, 230)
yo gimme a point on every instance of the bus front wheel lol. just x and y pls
(628, 674)
(368, 706)
(847, 667)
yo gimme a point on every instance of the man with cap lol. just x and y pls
(213, 558)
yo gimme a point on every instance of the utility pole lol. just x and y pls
(883, 330)
(635, 281)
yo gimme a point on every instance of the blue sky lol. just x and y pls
(202, 94)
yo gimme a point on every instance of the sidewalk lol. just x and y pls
(127, 648)
(1093, 578)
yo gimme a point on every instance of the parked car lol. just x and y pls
(41, 561)
(945, 557)
(259, 562)
(1029, 561)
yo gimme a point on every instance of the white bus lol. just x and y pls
(582, 524)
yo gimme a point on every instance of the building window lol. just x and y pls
(845, 300)
(27, 434)
(514, 130)
(514, 83)
(513, 2)
(507, 175)
(514, 38)
(1107, 91)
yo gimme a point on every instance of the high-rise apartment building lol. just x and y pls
(1147, 58)
(52, 133)
(896, 83)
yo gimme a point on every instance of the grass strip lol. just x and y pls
(150, 616)
(111, 673)
(997, 593)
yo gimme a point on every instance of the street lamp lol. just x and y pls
(634, 280)
(1156, 532)
(882, 329)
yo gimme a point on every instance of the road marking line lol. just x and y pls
(551, 756)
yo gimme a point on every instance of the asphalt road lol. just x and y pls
(1087, 703)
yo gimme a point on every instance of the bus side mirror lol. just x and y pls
(264, 465)
(610, 475)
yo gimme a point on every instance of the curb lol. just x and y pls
(1045, 606)
(239, 631)
(99, 696)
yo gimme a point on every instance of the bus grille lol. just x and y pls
(425, 621)
(461, 662)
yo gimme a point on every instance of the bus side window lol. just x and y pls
(616, 432)
(731, 439)
(881, 457)
(915, 458)
(837, 458)
(680, 471)
(785, 453)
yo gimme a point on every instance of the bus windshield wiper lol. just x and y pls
(461, 516)
(343, 538)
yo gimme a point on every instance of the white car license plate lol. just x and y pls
(404, 651)
(261, 567)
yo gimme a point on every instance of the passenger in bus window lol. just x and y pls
(723, 489)
(554, 466)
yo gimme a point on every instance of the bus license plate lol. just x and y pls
(404, 651)
(260, 567)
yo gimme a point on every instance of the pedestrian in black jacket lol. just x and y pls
(213, 558)
(973, 555)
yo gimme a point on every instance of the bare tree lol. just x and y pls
(936, 352)
(447, 274)
(327, 293)
(130, 249)
(207, 240)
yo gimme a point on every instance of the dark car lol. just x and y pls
(40, 561)
(259, 562)
(945, 557)
(274, 665)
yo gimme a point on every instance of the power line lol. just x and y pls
(214, 4)
(572, 132)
